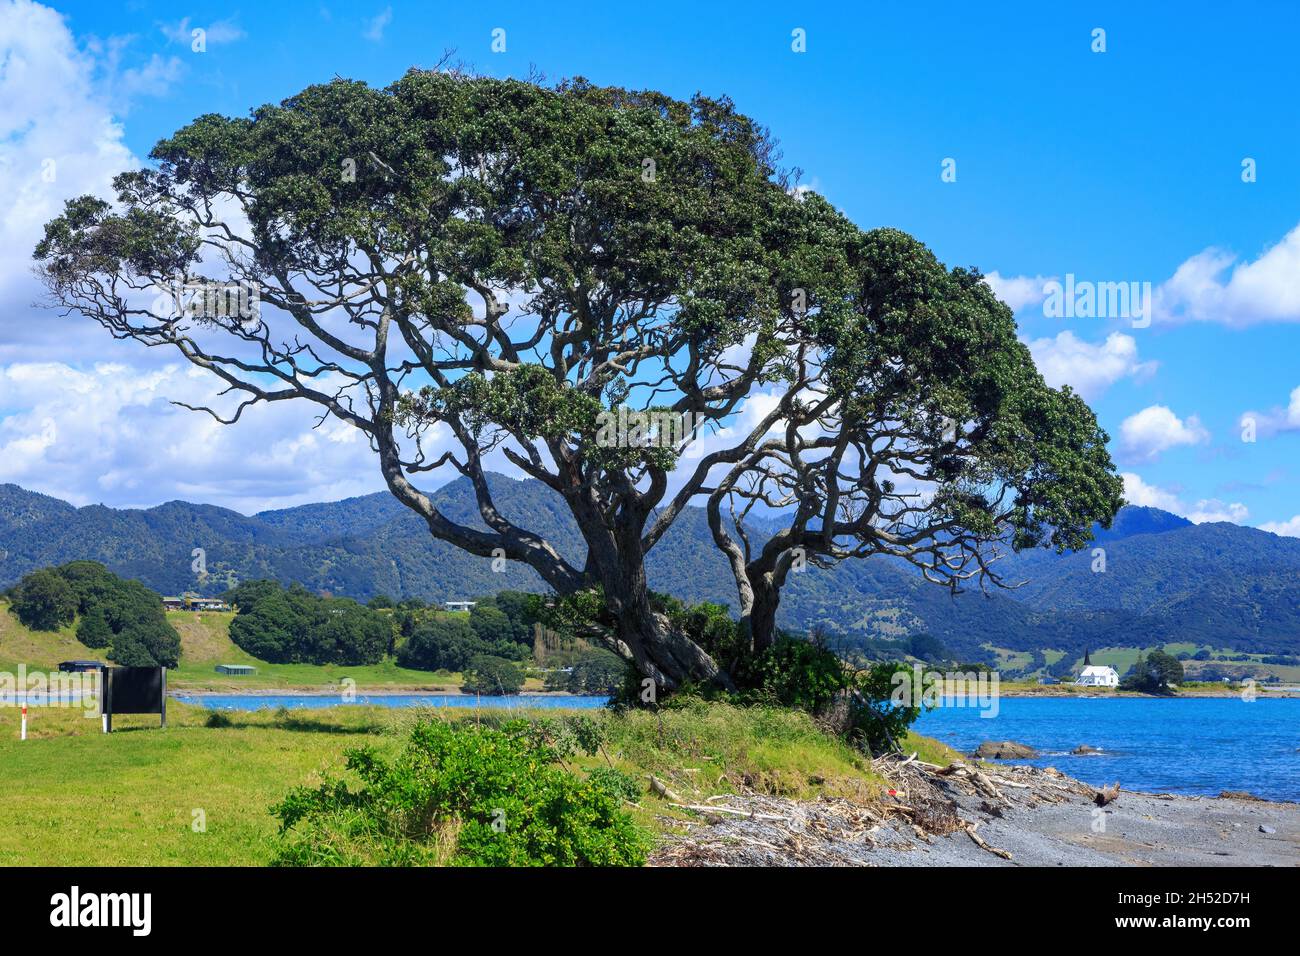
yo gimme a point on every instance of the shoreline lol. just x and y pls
(992, 815)
(328, 690)
(1192, 694)
(315, 690)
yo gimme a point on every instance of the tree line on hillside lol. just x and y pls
(294, 626)
(110, 612)
(489, 645)
(500, 626)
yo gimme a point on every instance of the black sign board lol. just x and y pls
(135, 690)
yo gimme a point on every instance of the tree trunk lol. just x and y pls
(762, 612)
(660, 651)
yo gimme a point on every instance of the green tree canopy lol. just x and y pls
(513, 267)
(122, 615)
(45, 601)
(93, 629)
(295, 626)
(486, 674)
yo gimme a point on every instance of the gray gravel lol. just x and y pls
(1066, 829)
(1138, 829)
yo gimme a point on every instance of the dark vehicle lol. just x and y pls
(74, 666)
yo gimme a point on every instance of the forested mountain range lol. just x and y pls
(1165, 579)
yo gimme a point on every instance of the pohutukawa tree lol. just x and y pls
(467, 269)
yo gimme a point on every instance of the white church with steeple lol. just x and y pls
(1095, 675)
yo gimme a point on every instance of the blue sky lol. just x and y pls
(1117, 166)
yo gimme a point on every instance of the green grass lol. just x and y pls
(1010, 660)
(78, 797)
(704, 749)
(131, 798)
(39, 650)
(929, 750)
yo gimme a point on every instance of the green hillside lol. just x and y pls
(205, 642)
(1166, 581)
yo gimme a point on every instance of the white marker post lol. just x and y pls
(23, 735)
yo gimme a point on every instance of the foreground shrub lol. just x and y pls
(617, 782)
(464, 795)
(875, 718)
(799, 673)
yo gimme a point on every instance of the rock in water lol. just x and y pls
(1004, 750)
(1085, 749)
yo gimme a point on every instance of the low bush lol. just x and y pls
(617, 782)
(461, 794)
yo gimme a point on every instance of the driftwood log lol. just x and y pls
(661, 788)
(983, 844)
(1106, 794)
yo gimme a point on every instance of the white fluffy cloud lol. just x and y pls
(83, 417)
(1018, 292)
(1212, 509)
(110, 434)
(58, 137)
(1156, 429)
(1288, 529)
(1138, 492)
(1213, 286)
(1276, 419)
(1090, 369)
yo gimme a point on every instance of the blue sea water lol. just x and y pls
(319, 701)
(1189, 745)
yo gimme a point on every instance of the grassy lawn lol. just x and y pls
(1009, 660)
(39, 650)
(78, 797)
(82, 798)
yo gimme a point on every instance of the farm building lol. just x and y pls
(239, 670)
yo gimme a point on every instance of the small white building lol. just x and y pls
(459, 605)
(1098, 675)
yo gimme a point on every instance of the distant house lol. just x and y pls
(1048, 680)
(1096, 675)
(191, 603)
(242, 670)
(458, 605)
(207, 604)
